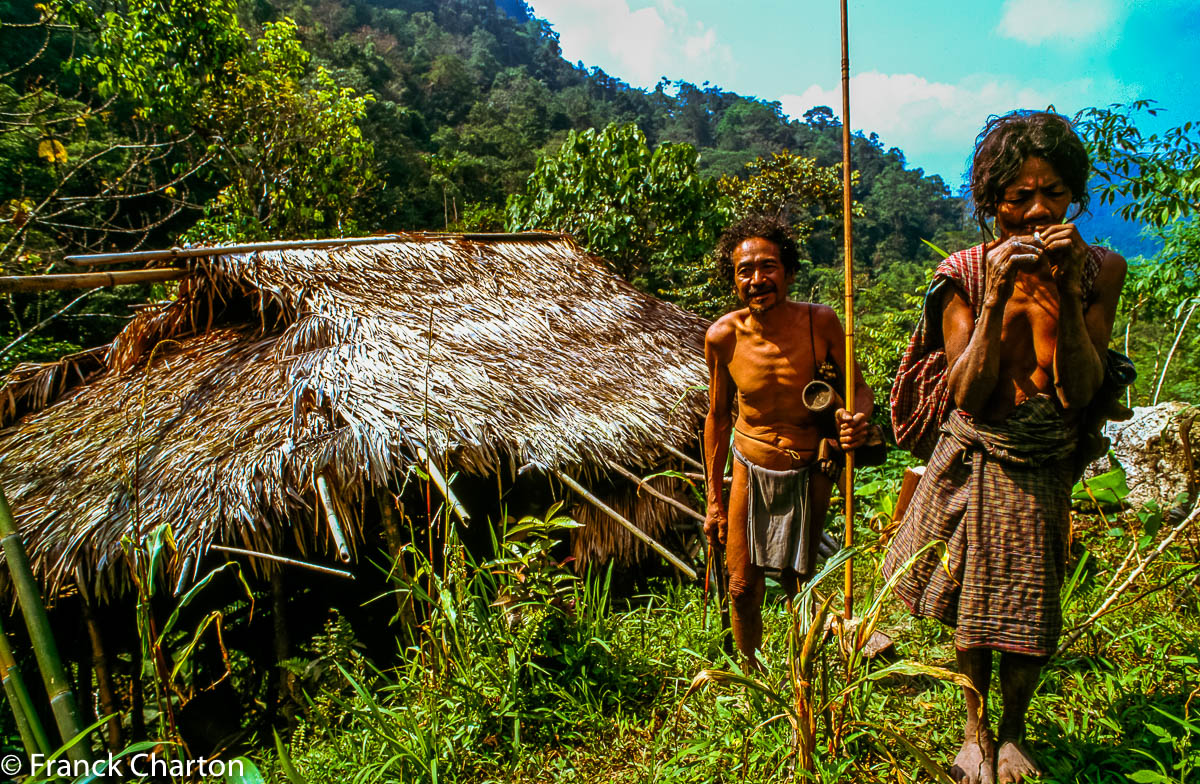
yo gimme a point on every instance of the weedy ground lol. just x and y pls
(558, 682)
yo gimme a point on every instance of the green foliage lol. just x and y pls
(164, 56)
(788, 186)
(555, 681)
(1160, 174)
(293, 159)
(511, 652)
(650, 212)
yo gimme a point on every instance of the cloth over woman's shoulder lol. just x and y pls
(920, 398)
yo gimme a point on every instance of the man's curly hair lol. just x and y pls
(1008, 140)
(770, 229)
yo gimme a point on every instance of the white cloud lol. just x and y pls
(935, 123)
(638, 45)
(1038, 21)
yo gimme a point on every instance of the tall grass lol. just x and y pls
(518, 671)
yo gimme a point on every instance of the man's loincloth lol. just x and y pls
(999, 497)
(779, 528)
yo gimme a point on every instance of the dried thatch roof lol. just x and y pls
(215, 411)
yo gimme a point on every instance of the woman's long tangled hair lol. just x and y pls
(1008, 140)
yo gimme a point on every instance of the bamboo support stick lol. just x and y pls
(29, 724)
(62, 701)
(395, 547)
(252, 247)
(282, 642)
(331, 517)
(86, 280)
(684, 457)
(104, 682)
(643, 485)
(633, 529)
(281, 559)
(439, 479)
(703, 478)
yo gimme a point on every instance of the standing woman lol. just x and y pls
(1010, 353)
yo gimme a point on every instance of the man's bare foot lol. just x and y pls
(975, 763)
(1014, 763)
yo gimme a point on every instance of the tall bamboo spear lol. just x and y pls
(849, 286)
(62, 701)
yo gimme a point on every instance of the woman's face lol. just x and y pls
(1036, 199)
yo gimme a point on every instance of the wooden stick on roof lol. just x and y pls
(633, 529)
(253, 247)
(86, 280)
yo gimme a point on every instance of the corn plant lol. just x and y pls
(147, 560)
(805, 699)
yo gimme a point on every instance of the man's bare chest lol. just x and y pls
(762, 366)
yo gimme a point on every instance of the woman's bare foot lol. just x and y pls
(1014, 763)
(976, 760)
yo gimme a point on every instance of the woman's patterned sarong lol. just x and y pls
(999, 496)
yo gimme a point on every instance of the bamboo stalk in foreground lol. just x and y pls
(62, 701)
(29, 725)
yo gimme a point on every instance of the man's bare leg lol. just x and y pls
(747, 583)
(1018, 679)
(975, 763)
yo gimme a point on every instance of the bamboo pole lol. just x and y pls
(395, 548)
(643, 485)
(281, 559)
(131, 257)
(331, 517)
(62, 701)
(282, 642)
(684, 457)
(703, 478)
(439, 479)
(29, 724)
(86, 280)
(633, 529)
(104, 683)
(847, 225)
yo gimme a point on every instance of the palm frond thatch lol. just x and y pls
(215, 411)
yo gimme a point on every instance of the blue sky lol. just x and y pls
(925, 75)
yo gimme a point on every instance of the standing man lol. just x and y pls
(763, 356)
(1022, 323)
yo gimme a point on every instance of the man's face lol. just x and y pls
(1036, 199)
(758, 274)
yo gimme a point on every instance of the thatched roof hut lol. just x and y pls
(218, 411)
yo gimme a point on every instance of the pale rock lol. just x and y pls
(1151, 450)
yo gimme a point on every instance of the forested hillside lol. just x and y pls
(142, 123)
